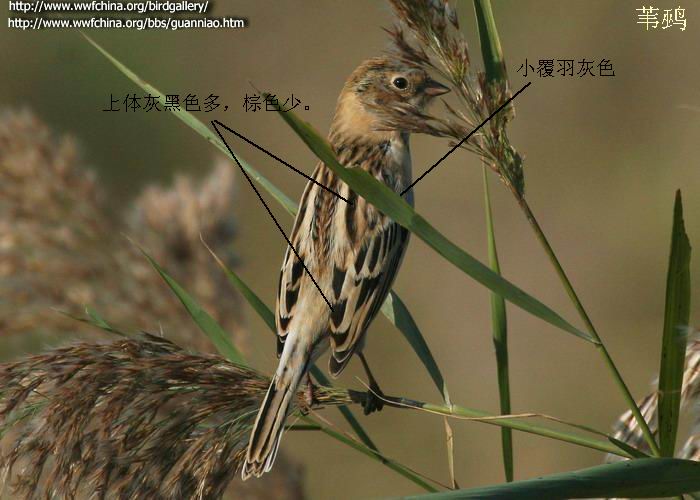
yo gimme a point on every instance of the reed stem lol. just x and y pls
(600, 346)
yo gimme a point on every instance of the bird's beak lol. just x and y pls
(434, 89)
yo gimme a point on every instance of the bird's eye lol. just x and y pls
(400, 83)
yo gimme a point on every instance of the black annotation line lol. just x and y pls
(250, 181)
(454, 148)
(282, 161)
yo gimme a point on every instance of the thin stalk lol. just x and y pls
(346, 413)
(648, 436)
(512, 422)
(494, 65)
(517, 422)
(499, 326)
(269, 318)
(495, 69)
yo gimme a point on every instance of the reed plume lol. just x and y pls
(427, 35)
(62, 245)
(627, 430)
(132, 418)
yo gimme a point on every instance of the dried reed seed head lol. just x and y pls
(435, 28)
(437, 44)
(62, 247)
(136, 418)
(169, 224)
(690, 396)
(404, 51)
(29, 151)
(427, 18)
(47, 210)
(691, 376)
(627, 430)
(176, 217)
(691, 448)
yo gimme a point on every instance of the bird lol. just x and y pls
(345, 248)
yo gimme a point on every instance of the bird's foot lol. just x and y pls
(308, 395)
(374, 401)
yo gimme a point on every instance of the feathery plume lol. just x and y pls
(62, 247)
(627, 430)
(690, 398)
(435, 43)
(133, 418)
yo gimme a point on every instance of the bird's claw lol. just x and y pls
(374, 401)
(308, 396)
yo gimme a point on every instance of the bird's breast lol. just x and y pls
(399, 165)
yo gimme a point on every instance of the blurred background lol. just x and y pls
(603, 157)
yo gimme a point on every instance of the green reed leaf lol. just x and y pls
(206, 323)
(499, 326)
(276, 193)
(398, 314)
(93, 319)
(389, 202)
(641, 478)
(491, 50)
(211, 137)
(520, 423)
(449, 250)
(199, 127)
(633, 452)
(258, 305)
(269, 318)
(673, 344)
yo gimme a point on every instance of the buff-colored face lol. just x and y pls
(384, 82)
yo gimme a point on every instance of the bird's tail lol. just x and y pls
(269, 424)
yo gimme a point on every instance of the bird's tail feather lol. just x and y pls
(269, 425)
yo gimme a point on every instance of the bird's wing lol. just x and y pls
(292, 271)
(287, 295)
(360, 286)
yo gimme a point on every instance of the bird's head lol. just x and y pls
(382, 82)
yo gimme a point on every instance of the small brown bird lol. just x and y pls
(352, 250)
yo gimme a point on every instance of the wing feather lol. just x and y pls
(292, 268)
(287, 295)
(360, 287)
